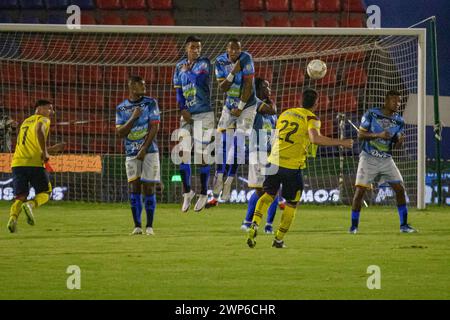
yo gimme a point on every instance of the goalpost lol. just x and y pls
(84, 73)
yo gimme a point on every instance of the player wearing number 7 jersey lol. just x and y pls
(296, 128)
(28, 162)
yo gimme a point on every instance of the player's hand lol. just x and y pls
(347, 143)
(185, 67)
(236, 67)
(384, 135)
(141, 154)
(401, 138)
(236, 112)
(136, 113)
(187, 116)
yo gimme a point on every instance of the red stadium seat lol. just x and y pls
(329, 79)
(88, 18)
(139, 49)
(63, 74)
(167, 49)
(86, 49)
(326, 127)
(253, 20)
(280, 47)
(114, 50)
(32, 48)
(328, 5)
(353, 6)
(134, 4)
(293, 75)
(323, 102)
(116, 97)
(168, 100)
(355, 56)
(163, 19)
(257, 48)
(352, 22)
(252, 5)
(345, 102)
(116, 74)
(303, 5)
(291, 98)
(164, 74)
(90, 74)
(147, 73)
(16, 100)
(58, 49)
(37, 73)
(355, 77)
(66, 99)
(279, 21)
(327, 22)
(109, 4)
(36, 93)
(91, 98)
(302, 22)
(11, 72)
(137, 19)
(111, 18)
(160, 4)
(262, 70)
(277, 5)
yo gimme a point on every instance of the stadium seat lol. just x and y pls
(84, 4)
(252, 5)
(110, 18)
(280, 47)
(116, 74)
(352, 22)
(109, 4)
(355, 77)
(113, 50)
(11, 72)
(56, 18)
(264, 71)
(57, 4)
(139, 49)
(327, 22)
(147, 73)
(164, 74)
(137, 19)
(168, 100)
(67, 99)
(31, 4)
(353, 6)
(329, 79)
(277, 5)
(253, 20)
(302, 22)
(291, 98)
(32, 48)
(134, 4)
(9, 4)
(279, 21)
(86, 49)
(64, 74)
(58, 49)
(163, 19)
(257, 48)
(116, 97)
(89, 74)
(91, 98)
(293, 75)
(167, 50)
(16, 100)
(345, 102)
(88, 18)
(160, 4)
(328, 5)
(303, 5)
(37, 73)
(323, 102)
(355, 56)
(326, 127)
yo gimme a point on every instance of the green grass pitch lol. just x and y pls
(205, 256)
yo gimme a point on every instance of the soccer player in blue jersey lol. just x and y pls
(265, 120)
(381, 130)
(192, 82)
(137, 122)
(235, 72)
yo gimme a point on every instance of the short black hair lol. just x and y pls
(192, 39)
(41, 102)
(234, 40)
(309, 98)
(393, 93)
(135, 79)
(258, 83)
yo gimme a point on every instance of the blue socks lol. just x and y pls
(403, 214)
(185, 172)
(355, 218)
(136, 208)
(272, 211)
(204, 178)
(251, 206)
(150, 206)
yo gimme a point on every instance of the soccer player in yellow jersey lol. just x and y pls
(28, 163)
(296, 128)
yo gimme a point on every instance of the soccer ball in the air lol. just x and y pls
(316, 69)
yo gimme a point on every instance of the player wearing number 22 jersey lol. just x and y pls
(297, 129)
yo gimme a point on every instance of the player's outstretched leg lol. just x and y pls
(251, 209)
(28, 207)
(402, 209)
(287, 217)
(261, 207)
(15, 210)
(356, 209)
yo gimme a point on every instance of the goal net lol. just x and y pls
(84, 72)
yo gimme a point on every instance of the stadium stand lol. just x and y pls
(277, 5)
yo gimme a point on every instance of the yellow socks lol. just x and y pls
(262, 206)
(16, 208)
(41, 199)
(286, 219)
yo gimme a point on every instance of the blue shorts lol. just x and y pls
(36, 177)
(292, 181)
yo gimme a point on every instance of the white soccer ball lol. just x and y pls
(317, 69)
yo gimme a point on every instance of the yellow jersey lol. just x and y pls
(291, 142)
(28, 151)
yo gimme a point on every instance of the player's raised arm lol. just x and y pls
(316, 138)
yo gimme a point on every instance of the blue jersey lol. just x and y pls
(264, 122)
(374, 121)
(149, 116)
(223, 68)
(195, 85)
